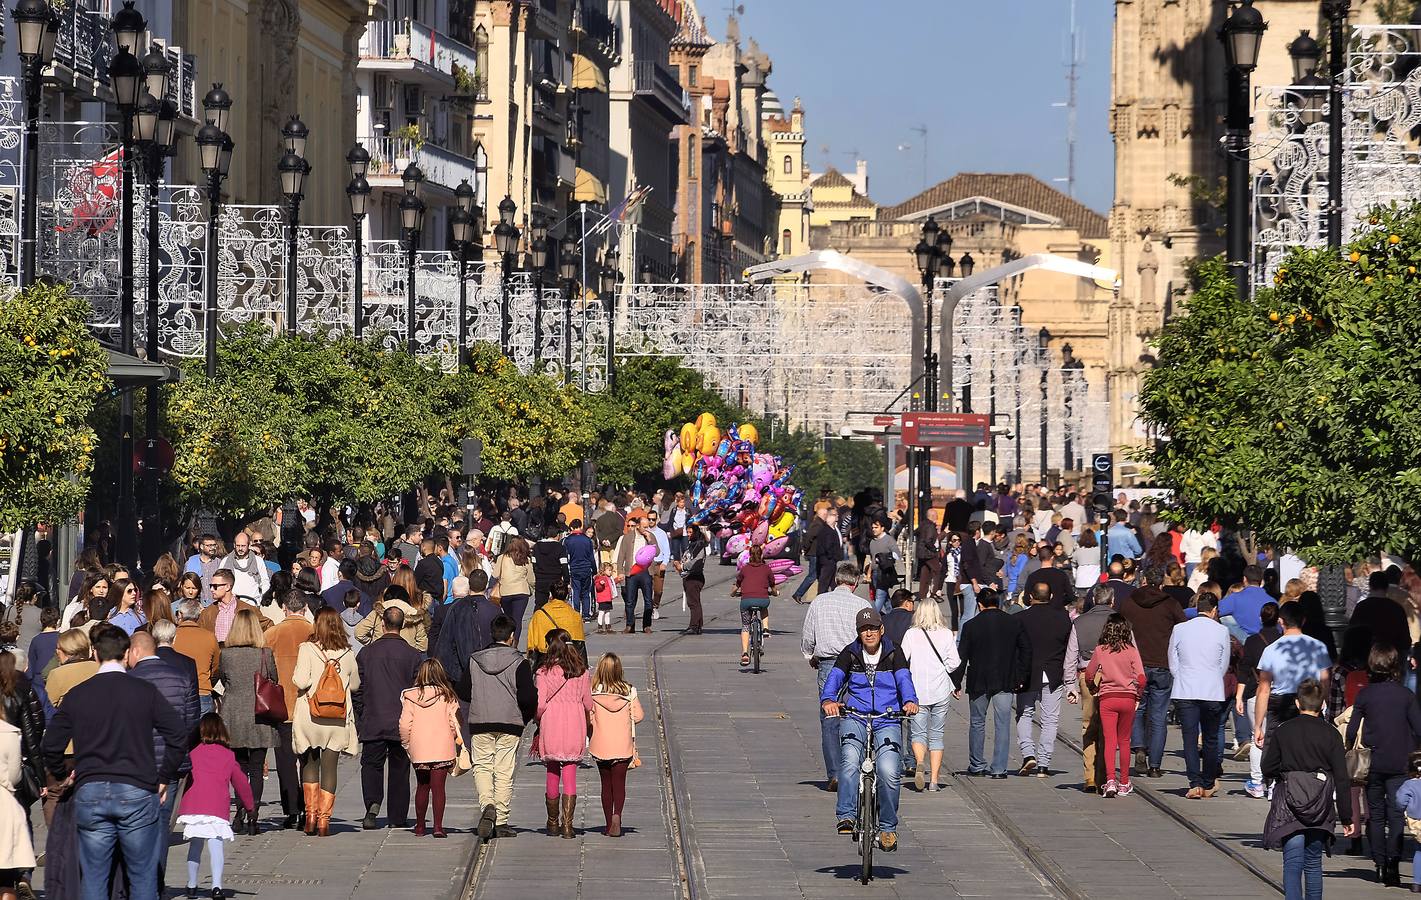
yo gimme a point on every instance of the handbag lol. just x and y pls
(29, 788)
(462, 761)
(270, 697)
(1359, 758)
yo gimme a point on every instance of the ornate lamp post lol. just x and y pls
(505, 237)
(538, 251)
(1043, 345)
(358, 192)
(466, 224)
(610, 281)
(293, 169)
(212, 139)
(126, 77)
(928, 254)
(1241, 34)
(412, 221)
(1336, 13)
(568, 265)
(38, 26)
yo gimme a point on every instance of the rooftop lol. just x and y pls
(1019, 189)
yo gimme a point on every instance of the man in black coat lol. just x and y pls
(387, 668)
(1383, 616)
(1048, 628)
(996, 663)
(828, 550)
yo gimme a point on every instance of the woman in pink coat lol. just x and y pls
(615, 712)
(429, 732)
(564, 700)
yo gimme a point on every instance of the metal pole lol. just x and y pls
(992, 412)
(537, 318)
(1045, 378)
(582, 239)
(1336, 12)
(359, 277)
(463, 305)
(1239, 217)
(152, 529)
(291, 273)
(612, 341)
(30, 236)
(964, 468)
(503, 324)
(210, 287)
(413, 238)
(567, 332)
(1067, 424)
(126, 532)
(922, 501)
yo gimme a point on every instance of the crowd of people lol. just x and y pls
(156, 701)
(1029, 601)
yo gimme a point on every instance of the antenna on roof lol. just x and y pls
(922, 132)
(1075, 58)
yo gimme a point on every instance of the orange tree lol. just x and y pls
(1297, 413)
(52, 374)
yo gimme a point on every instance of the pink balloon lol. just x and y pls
(737, 543)
(645, 555)
(780, 565)
(774, 547)
(742, 559)
(762, 531)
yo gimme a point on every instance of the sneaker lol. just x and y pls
(918, 780)
(1126, 789)
(846, 826)
(1110, 789)
(1140, 762)
(1028, 765)
(486, 822)
(1042, 772)
(999, 776)
(888, 841)
(656, 613)
(1254, 789)
(1242, 752)
(932, 787)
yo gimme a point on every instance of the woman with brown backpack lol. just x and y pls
(323, 725)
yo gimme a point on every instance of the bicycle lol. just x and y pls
(757, 628)
(866, 824)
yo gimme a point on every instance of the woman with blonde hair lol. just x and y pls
(323, 723)
(244, 655)
(931, 649)
(615, 712)
(1201, 571)
(416, 627)
(513, 580)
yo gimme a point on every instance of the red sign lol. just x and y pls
(943, 429)
(885, 420)
(165, 460)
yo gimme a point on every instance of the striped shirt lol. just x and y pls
(829, 627)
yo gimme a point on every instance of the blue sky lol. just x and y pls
(981, 77)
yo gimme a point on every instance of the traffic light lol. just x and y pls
(1102, 481)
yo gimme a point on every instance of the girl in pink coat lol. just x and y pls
(429, 732)
(203, 811)
(615, 712)
(564, 700)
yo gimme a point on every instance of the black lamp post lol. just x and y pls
(1241, 34)
(358, 193)
(928, 254)
(412, 222)
(505, 237)
(1018, 357)
(34, 20)
(293, 169)
(610, 281)
(1336, 13)
(538, 252)
(126, 77)
(568, 265)
(1043, 344)
(466, 224)
(212, 139)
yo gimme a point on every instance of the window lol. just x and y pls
(789, 165)
(692, 155)
(786, 242)
(693, 75)
(481, 63)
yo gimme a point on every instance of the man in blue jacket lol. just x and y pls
(581, 566)
(869, 676)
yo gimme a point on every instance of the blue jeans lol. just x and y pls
(1001, 704)
(969, 606)
(828, 728)
(1155, 706)
(1302, 861)
(640, 583)
(204, 703)
(887, 740)
(111, 814)
(582, 599)
(880, 599)
(1207, 715)
(811, 575)
(165, 828)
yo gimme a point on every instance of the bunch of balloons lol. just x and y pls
(743, 496)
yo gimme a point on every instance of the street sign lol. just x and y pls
(1102, 480)
(874, 424)
(945, 429)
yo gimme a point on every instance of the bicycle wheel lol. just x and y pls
(756, 636)
(868, 825)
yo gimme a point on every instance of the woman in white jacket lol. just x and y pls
(17, 854)
(931, 648)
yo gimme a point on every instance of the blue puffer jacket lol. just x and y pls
(180, 693)
(848, 682)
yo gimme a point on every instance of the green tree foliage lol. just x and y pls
(1298, 413)
(52, 374)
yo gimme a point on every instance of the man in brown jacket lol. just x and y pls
(284, 640)
(198, 644)
(217, 617)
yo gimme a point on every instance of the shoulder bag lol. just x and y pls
(270, 697)
(1359, 758)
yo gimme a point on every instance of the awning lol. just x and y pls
(587, 75)
(589, 188)
(131, 372)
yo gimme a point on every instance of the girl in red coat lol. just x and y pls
(203, 812)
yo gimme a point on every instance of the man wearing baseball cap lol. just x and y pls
(870, 676)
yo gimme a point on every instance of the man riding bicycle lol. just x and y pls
(870, 676)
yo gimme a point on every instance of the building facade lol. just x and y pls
(788, 177)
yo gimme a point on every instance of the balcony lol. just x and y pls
(416, 51)
(442, 168)
(544, 19)
(602, 35)
(81, 50)
(654, 83)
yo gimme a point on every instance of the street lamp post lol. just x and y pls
(38, 26)
(1241, 34)
(293, 169)
(929, 255)
(1043, 343)
(538, 251)
(1336, 13)
(126, 76)
(212, 140)
(610, 281)
(505, 237)
(358, 192)
(568, 265)
(466, 224)
(412, 221)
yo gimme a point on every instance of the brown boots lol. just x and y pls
(311, 793)
(554, 822)
(327, 800)
(569, 805)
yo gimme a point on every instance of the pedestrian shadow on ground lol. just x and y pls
(851, 871)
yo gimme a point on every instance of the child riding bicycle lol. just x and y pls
(870, 677)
